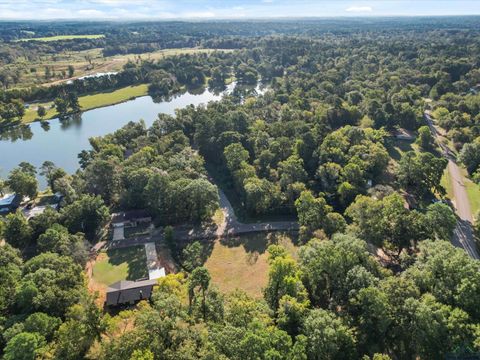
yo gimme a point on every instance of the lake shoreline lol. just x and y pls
(54, 114)
(60, 141)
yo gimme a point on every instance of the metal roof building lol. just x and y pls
(126, 292)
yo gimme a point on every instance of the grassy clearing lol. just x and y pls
(120, 264)
(218, 217)
(241, 262)
(89, 102)
(473, 192)
(446, 182)
(397, 147)
(64, 37)
(114, 97)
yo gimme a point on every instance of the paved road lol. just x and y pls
(230, 227)
(463, 235)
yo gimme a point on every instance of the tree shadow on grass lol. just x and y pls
(135, 258)
(397, 147)
(257, 242)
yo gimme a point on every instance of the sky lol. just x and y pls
(227, 9)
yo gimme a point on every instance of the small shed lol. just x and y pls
(127, 292)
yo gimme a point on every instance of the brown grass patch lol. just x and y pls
(241, 262)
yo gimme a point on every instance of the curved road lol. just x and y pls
(463, 236)
(230, 227)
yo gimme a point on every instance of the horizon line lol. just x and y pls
(238, 19)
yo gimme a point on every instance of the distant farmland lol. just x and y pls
(64, 37)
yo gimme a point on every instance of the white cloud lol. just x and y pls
(359, 9)
(198, 14)
(116, 3)
(267, 1)
(91, 13)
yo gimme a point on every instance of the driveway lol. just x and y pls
(230, 227)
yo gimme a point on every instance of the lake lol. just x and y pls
(61, 141)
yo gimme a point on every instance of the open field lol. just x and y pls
(64, 37)
(120, 264)
(89, 102)
(86, 62)
(241, 262)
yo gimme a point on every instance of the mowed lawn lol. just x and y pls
(64, 37)
(473, 192)
(114, 97)
(120, 264)
(241, 262)
(89, 102)
(446, 182)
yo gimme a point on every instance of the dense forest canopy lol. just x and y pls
(374, 275)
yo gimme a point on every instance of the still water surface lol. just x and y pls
(63, 140)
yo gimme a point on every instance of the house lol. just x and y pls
(130, 218)
(127, 292)
(9, 203)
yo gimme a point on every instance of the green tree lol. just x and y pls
(291, 171)
(372, 316)
(58, 240)
(24, 346)
(421, 173)
(441, 220)
(425, 139)
(10, 274)
(51, 173)
(23, 182)
(261, 195)
(326, 267)
(84, 324)
(328, 337)
(202, 199)
(192, 256)
(42, 323)
(312, 213)
(41, 222)
(199, 280)
(51, 283)
(142, 355)
(73, 101)
(87, 214)
(102, 177)
(470, 156)
(71, 71)
(291, 314)
(41, 111)
(283, 279)
(61, 105)
(17, 231)
(235, 155)
(439, 269)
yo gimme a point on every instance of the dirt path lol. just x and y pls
(463, 235)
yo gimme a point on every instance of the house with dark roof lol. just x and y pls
(130, 218)
(127, 292)
(9, 203)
